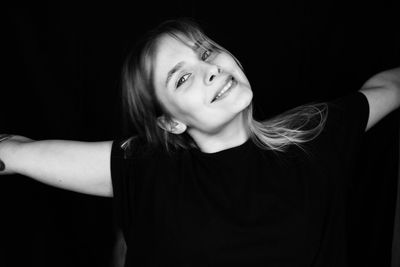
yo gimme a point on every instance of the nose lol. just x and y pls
(212, 72)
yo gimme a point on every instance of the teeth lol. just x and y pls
(226, 87)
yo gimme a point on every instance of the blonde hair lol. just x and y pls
(293, 127)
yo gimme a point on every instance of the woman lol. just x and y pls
(202, 182)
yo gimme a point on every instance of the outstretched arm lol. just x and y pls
(82, 167)
(383, 93)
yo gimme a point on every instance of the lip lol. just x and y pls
(227, 80)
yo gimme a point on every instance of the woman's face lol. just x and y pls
(204, 89)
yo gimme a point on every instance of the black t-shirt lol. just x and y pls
(241, 206)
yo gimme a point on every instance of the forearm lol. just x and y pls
(78, 166)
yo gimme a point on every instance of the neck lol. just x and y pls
(231, 135)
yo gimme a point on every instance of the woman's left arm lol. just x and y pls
(383, 93)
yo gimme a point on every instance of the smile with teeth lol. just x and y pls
(224, 90)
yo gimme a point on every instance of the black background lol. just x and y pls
(63, 62)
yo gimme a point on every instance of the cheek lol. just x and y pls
(186, 107)
(194, 113)
(231, 66)
(244, 99)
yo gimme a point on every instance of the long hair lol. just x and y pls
(293, 127)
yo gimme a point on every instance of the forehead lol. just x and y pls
(170, 47)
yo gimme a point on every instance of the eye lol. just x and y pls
(183, 79)
(206, 54)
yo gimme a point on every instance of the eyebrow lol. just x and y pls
(196, 47)
(176, 68)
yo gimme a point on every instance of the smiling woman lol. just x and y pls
(181, 89)
(203, 183)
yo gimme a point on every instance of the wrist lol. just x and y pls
(8, 147)
(4, 137)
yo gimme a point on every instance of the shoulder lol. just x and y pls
(131, 147)
(345, 124)
(349, 101)
(349, 109)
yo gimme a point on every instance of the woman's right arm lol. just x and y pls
(82, 167)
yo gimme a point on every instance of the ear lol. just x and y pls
(171, 125)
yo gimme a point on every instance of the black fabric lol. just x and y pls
(241, 206)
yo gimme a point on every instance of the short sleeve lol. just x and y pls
(128, 162)
(133, 168)
(353, 106)
(344, 128)
(123, 185)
